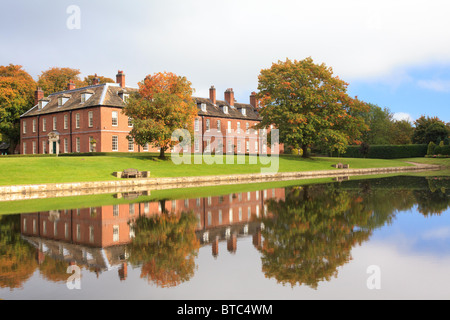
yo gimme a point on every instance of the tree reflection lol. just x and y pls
(166, 246)
(436, 199)
(17, 258)
(312, 233)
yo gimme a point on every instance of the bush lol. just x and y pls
(431, 147)
(388, 151)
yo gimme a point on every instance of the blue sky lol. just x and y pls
(395, 54)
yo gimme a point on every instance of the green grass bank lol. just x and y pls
(41, 170)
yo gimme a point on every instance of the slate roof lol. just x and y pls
(108, 95)
(233, 112)
(102, 95)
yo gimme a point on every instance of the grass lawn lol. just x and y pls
(38, 170)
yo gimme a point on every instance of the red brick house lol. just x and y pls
(90, 119)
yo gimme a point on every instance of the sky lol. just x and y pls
(395, 54)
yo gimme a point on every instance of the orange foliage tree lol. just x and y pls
(16, 97)
(163, 104)
(56, 79)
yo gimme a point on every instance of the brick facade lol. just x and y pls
(77, 122)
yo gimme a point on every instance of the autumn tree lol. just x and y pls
(162, 104)
(16, 97)
(89, 80)
(309, 106)
(56, 79)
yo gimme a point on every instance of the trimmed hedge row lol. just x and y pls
(388, 151)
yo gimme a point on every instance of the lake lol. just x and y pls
(378, 238)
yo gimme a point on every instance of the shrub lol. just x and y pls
(431, 147)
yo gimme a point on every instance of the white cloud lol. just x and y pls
(435, 85)
(442, 233)
(403, 116)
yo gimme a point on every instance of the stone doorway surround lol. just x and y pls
(53, 140)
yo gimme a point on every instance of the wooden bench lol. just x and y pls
(131, 173)
(341, 166)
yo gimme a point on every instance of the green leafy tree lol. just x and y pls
(436, 131)
(401, 132)
(16, 97)
(163, 104)
(429, 129)
(380, 124)
(309, 106)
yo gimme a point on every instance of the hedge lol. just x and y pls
(388, 151)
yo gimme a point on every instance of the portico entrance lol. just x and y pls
(53, 142)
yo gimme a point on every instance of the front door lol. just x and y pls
(54, 147)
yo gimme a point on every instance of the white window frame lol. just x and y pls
(54, 123)
(77, 121)
(24, 127)
(77, 144)
(66, 121)
(115, 143)
(115, 118)
(91, 119)
(197, 124)
(130, 144)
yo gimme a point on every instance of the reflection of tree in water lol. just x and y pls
(314, 229)
(166, 247)
(54, 270)
(17, 257)
(436, 200)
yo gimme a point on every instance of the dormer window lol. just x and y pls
(225, 109)
(123, 95)
(42, 103)
(244, 111)
(86, 95)
(203, 107)
(63, 99)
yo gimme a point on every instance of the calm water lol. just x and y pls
(369, 239)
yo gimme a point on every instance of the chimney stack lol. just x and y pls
(120, 78)
(38, 95)
(96, 80)
(71, 85)
(253, 100)
(229, 97)
(212, 94)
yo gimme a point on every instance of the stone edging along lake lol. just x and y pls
(42, 191)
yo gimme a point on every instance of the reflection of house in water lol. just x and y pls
(98, 237)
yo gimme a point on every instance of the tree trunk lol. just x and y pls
(305, 151)
(161, 153)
